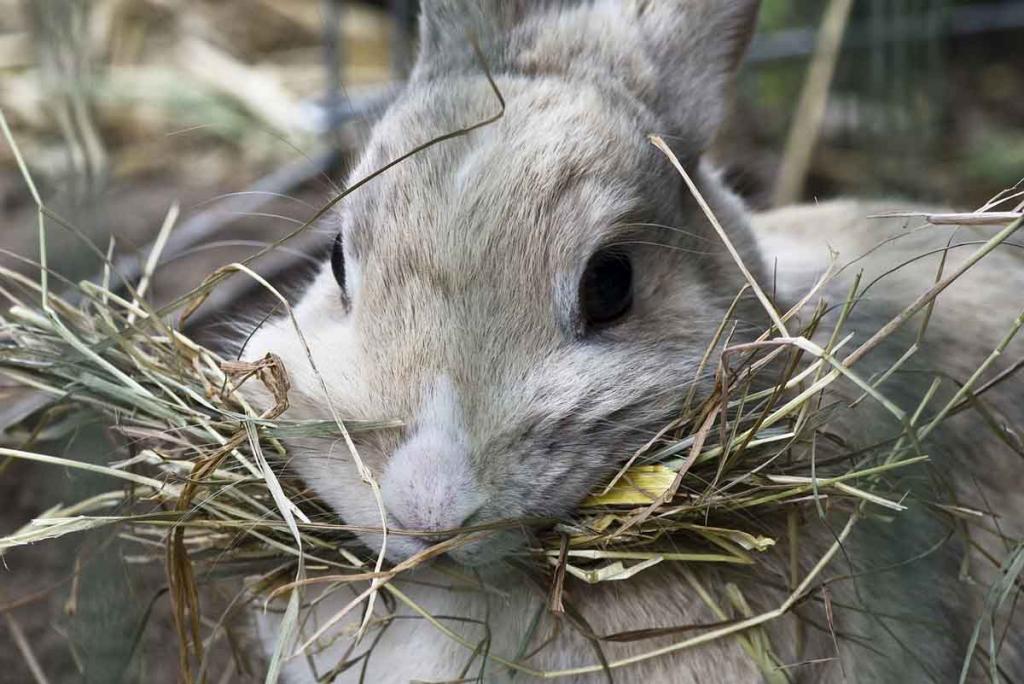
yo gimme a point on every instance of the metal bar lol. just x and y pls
(961, 21)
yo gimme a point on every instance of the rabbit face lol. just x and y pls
(531, 299)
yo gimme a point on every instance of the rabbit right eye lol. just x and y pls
(338, 263)
(606, 288)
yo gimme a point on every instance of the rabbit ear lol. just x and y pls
(696, 47)
(677, 57)
(448, 29)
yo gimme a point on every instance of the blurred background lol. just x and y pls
(235, 118)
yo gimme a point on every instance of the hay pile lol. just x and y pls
(199, 482)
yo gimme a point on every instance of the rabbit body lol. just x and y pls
(453, 304)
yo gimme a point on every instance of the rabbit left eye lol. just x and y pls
(606, 288)
(338, 263)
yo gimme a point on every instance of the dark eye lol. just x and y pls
(338, 263)
(606, 289)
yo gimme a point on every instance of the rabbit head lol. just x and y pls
(532, 298)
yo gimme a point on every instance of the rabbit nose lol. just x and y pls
(429, 485)
(430, 529)
(431, 502)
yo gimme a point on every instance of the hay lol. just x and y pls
(202, 486)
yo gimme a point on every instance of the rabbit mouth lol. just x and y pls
(490, 550)
(473, 548)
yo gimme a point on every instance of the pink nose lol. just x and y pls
(429, 483)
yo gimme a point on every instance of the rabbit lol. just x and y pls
(532, 297)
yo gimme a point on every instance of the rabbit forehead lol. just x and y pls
(565, 161)
(469, 252)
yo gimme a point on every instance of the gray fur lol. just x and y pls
(461, 319)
